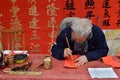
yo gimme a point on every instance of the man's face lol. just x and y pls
(77, 38)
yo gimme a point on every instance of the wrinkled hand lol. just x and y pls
(81, 60)
(67, 52)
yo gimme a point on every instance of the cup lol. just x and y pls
(10, 61)
(47, 63)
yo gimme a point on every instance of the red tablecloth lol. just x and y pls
(58, 72)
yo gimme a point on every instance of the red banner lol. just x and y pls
(40, 17)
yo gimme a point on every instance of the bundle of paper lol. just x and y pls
(27, 73)
(102, 73)
(110, 61)
(5, 52)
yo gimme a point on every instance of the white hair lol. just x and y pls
(81, 26)
(65, 23)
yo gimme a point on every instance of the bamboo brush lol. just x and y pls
(68, 45)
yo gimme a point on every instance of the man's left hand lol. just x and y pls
(81, 60)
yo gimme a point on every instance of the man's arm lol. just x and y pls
(58, 48)
(101, 48)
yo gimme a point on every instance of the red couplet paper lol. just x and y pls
(69, 62)
(118, 54)
(110, 61)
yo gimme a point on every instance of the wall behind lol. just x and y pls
(40, 17)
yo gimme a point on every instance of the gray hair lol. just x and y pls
(81, 26)
(65, 23)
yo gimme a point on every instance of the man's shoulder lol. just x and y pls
(97, 31)
(66, 30)
(96, 28)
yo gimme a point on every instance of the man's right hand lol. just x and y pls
(67, 53)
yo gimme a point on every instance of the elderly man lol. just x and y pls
(80, 36)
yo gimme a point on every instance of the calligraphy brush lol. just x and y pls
(38, 67)
(68, 45)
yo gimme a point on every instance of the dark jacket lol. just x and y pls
(97, 46)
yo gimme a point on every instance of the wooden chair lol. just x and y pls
(13, 39)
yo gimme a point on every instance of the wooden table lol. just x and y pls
(58, 72)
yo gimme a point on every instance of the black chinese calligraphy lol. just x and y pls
(106, 22)
(106, 13)
(70, 14)
(118, 23)
(89, 4)
(106, 4)
(89, 14)
(69, 5)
